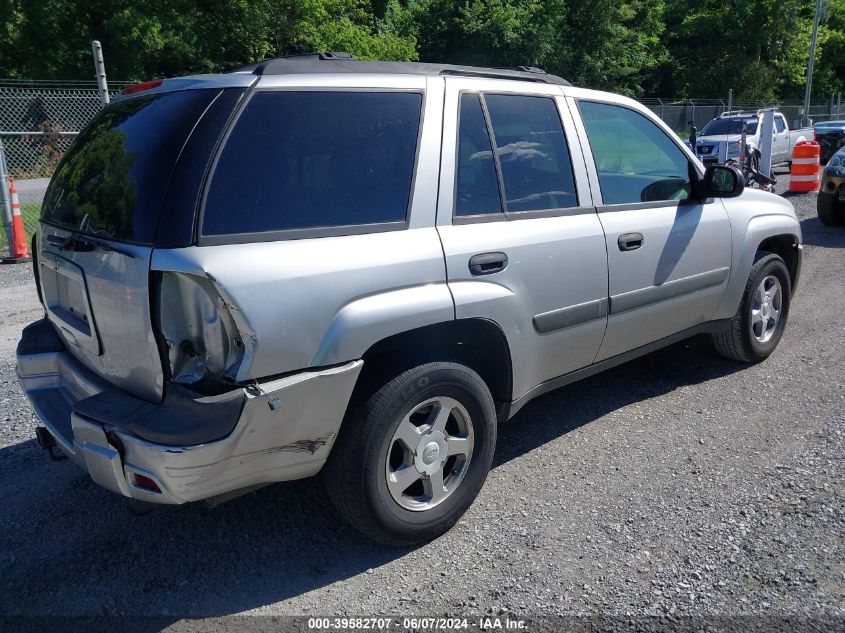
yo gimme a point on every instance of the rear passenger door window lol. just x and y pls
(477, 186)
(530, 168)
(531, 149)
(306, 161)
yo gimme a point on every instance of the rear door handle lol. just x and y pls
(487, 263)
(630, 241)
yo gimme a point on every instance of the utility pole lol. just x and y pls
(809, 87)
(730, 100)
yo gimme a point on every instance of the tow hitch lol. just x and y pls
(48, 443)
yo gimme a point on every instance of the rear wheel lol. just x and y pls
(758, 324)
(412, 457)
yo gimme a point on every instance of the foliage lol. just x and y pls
(638, 47)
(762, 61)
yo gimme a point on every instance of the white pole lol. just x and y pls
(5, 201)
(100, 71)
(767, 128)
(809, 87)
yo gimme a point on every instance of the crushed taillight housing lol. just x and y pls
(202, 341)
(141, 87)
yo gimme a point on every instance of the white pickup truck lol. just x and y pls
(726, 129)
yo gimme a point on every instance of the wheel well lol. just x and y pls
(787, 247)
(477, 343)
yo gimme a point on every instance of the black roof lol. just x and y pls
(346, 63)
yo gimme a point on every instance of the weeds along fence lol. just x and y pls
(40, 119)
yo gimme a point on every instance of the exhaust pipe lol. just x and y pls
(47, 442)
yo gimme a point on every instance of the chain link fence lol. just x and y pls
(679, 113)
(39, 120)
(38, 123)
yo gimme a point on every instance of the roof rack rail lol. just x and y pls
(320, 55)
(257, 67)
(536, 75)
(528, 69)
(339, 62)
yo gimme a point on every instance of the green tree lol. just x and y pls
(489, 32)
(829, 76)
(615, 45)
(596, 43)
(149, 38)
(757, 47)
(638, 47)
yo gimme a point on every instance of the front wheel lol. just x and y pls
(759, 322)
(411, 458)
(831, 211)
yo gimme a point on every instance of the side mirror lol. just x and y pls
(722, 181)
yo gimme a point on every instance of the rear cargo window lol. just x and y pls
(307, 160)
(112, 181)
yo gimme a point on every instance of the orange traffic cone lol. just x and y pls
(805, 175)
(19, 250)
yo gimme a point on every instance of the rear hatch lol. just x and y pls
(128, 184)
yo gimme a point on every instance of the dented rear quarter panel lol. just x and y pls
(316, 302)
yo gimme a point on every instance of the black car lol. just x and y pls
(830, 135)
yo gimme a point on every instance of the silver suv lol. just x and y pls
(320, 265)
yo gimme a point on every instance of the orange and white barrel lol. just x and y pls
(805, 175)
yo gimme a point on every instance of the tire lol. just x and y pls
(831, 212)
(371, 448)
(740, 341)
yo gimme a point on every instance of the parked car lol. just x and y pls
(830, 136)
(830, 204)
(726, 129)
(321, 265)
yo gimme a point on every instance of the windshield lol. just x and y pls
(112, 180)
(718, 127)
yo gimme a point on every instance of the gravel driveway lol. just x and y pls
(678, 484)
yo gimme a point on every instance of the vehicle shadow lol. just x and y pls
(817, 234)
(686, 363)
(69, 547)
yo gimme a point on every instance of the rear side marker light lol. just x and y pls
(144, 85)
(145, 483)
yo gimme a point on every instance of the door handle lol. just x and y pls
(487, 263)
(630, 241)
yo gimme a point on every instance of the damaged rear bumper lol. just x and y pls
(276, 430)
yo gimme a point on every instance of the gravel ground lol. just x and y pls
(678, 484)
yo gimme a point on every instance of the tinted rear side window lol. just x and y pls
(312, 159)
(532, 151)
(477, 190)
(112, 181)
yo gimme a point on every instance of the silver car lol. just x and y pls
(321, 265)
